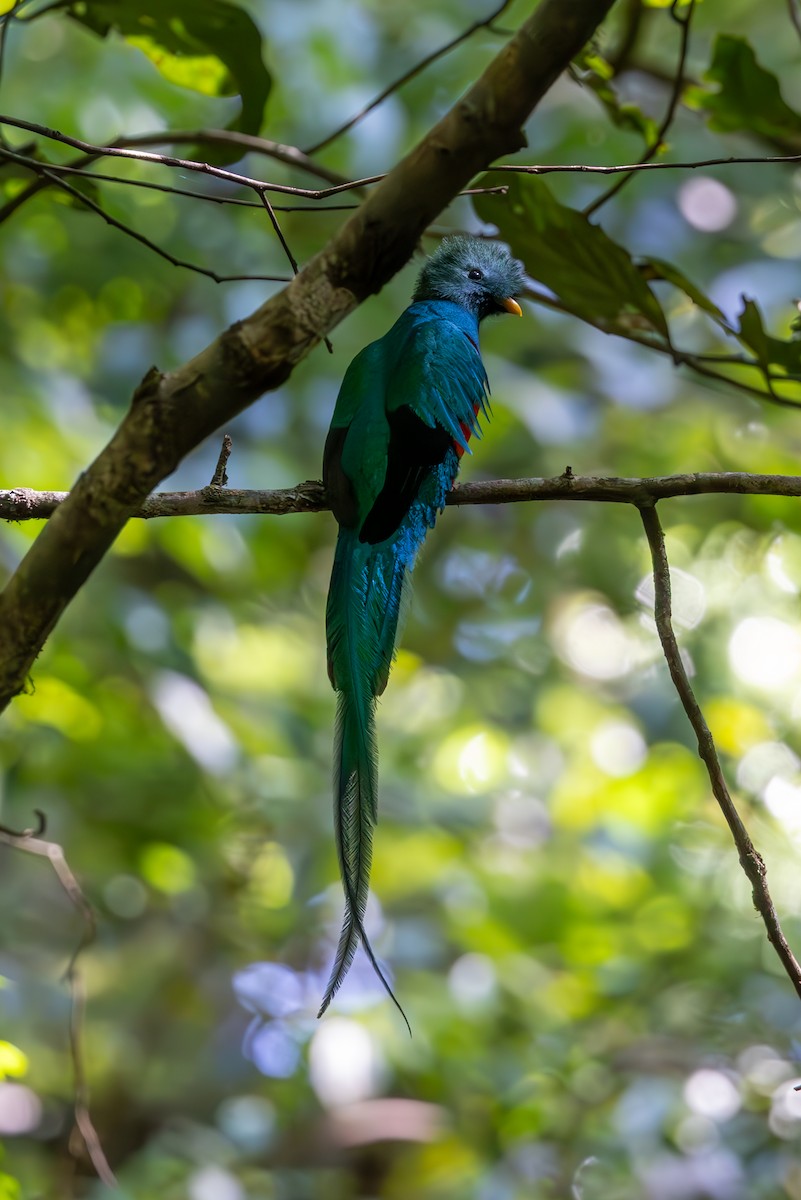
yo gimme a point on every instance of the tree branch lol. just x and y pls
(89, 203)
(24, 504)
(171, 414)
(289, 155)
(750, 859)
(631, 168)
(187, 164)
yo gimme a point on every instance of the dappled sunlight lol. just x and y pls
(785, 1110)
(555, 898)
(471, 760)
(62, 707)
(20, 1109)
(420, 698)
(618, 748)
(591, 638)
(271, 878)
(214, 1183)
(521, 819)
(670, 783)
(783, 800)
(345, 1063)
(765, 652)
(764, 762)
(167, 868)
(263, 659)
(783, 563)
(712, 1094)
(472, 981)
(186, 710)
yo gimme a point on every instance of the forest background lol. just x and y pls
(596, 1010)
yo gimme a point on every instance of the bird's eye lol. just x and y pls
(474, 274)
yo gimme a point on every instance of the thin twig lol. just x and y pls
(279, 232)
(186, 164)
(39, 184)
(54, 853)
(684, 358)
(93, 152)
(291, 156)
(145, 241)
(37, 164)
(750, 859)
(630, 168)
(485, 23)
(33, 831)
(83, 1117)
(5, 25)
(794, 15)
(292, 261)
(25, 504)
(667, 120)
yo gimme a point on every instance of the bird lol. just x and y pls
(407, 408)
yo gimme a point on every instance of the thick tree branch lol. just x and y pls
(24, 504)
(750, 858)
(170, 414)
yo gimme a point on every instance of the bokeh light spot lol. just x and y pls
(472, 760)
(707, 204)
(344, 1063)
(13, 1061)
(214, 1183)
(20, 1109)
(271, 877)
(765, 651)
(167, 868)
(712, 1094)
(472, 980)
(592, 639)
(618, 748)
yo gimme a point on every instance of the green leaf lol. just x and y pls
(748, 98)
(657, 268)
(768, 350)
(596, 74)
(211, 46)
(593, 276)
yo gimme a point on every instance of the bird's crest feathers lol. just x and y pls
(480, 275)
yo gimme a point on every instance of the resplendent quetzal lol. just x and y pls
(403, 418)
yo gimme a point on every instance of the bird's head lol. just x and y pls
(482, 276)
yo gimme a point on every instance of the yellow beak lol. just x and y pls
(511, 306)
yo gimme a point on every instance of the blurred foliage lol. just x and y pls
(747, 96)
(596, 1011)
(208, 45)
